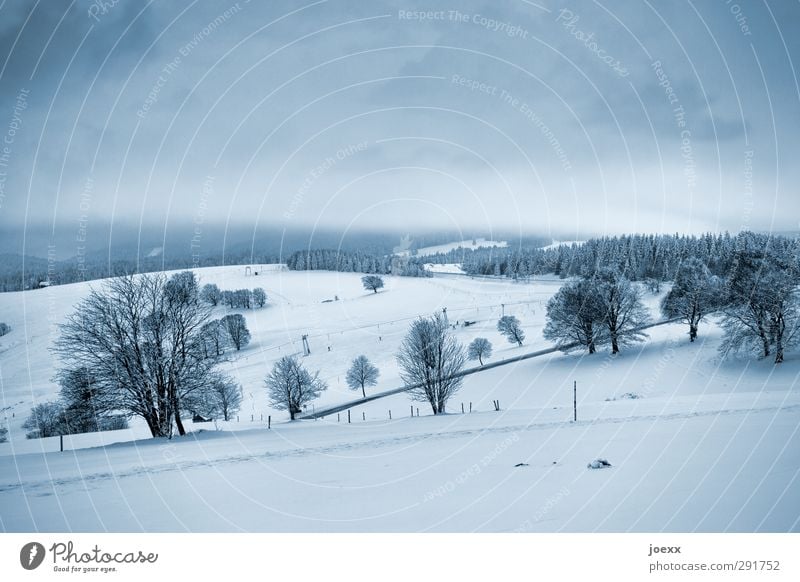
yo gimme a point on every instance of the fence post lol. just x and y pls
(390, 415)
(61, 442)
(462, 408)
(337, 417)
(470, 406)
(269, 421)
(417, 411)
(412, 410)
(348, 417)
(363, 415)
(575, 401)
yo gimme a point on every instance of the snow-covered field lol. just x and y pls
(704, 445)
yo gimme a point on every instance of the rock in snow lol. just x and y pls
(598, 464)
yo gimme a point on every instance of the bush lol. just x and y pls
(46, 420)
(3, 434)
(4, 328)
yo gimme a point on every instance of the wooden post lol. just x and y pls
(412, 411)
(269, 421)
(390, 414)
(470, 406)
(237, 418)
(61, 442)
(262, 417)
(363, 416)
(348, 417)
(251, 418)
(575, 401)
(462, 408)
(337, 417)
(418, 411)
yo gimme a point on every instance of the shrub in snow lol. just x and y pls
(3, 434)
(598, 464)
(46, 420)
(625, 396)
(4, 328)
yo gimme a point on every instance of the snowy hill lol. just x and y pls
(693, 442)
(472, 244)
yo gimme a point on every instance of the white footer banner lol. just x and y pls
(404, 557)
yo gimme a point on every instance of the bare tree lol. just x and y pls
(214, 338)
(429, 359)
(222, 396)
(85, 407)
(623, 311)
(290, 386)
(46, 420)
(259, 297)
(211, 294)
(575, 317)
(479, 348)
(140, 337)
(372, 283)
(694, 294)
(509, 326)
(236, 325)
(362, 373)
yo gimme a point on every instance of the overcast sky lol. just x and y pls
(565, 117)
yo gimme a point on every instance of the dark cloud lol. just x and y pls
(546, 115)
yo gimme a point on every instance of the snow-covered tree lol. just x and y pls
(236, 326)
(479, 348)
(763, 310)
(695, 294)
(623, 311)
(290, 386)
(259, 297)
(140, 337)
(222, 397)
(429, 359)
(84, 406)
(575, 317)
(362, 373)
(372, 283)
(214, 338)
(211, 294)
(46, 420)
(510, 328)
